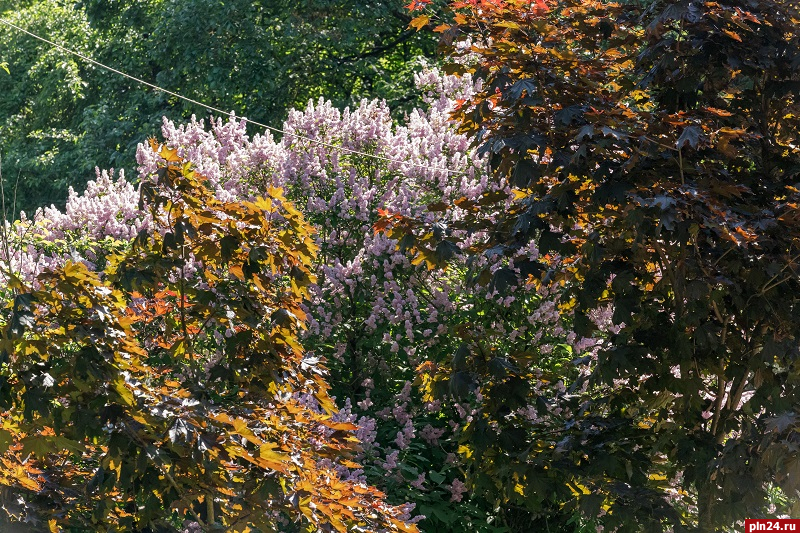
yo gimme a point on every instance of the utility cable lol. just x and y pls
(220, 111)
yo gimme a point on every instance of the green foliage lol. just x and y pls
(258, 58)
(654, 152)
(165, 389)
(39, 102)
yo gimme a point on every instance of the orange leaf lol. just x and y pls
(718, 112)
(733, 35)
(420, 22)
(237, 271)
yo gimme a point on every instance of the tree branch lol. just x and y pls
(377, 50)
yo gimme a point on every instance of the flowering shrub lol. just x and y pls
(406, 346)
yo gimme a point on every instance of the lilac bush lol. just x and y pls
(399, 337)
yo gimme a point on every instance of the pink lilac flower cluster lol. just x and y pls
(108, 208)
(457, 490)
(107, 211)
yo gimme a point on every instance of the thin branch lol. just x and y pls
(721, 385)
(664, 260)
(400, 39)
(135, 436)
(4, 234)
(738, 390)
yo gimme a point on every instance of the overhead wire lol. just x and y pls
(223, 112)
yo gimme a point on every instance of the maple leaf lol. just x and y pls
(782, 422)
(415, 5)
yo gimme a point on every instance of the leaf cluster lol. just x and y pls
(171, 387)
(653, 152)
